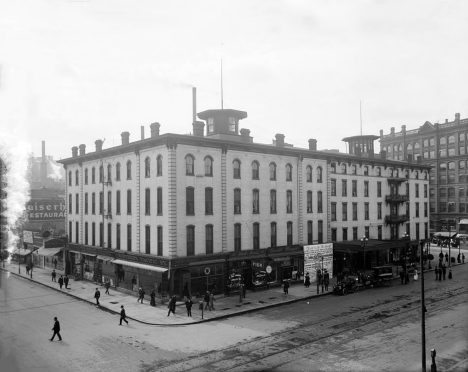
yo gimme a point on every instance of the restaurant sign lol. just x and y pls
(46, 210)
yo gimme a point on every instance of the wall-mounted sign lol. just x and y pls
(28, 237)
(46, 210)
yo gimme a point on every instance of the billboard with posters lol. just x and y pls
(313, 259)
(28, 237)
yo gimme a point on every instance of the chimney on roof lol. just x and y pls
(98, 145)
(82, 149)
(392, 131)
(142, 132)
(198, 128)
(403, 129)
(125, 138)
(381, 133)
(155, 130)
(74, 152)
(245, 135)
(279, 140)
(457, 118)
(446, 121)
(383, 154)
(313, 144)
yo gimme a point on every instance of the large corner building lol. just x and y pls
(209, 208)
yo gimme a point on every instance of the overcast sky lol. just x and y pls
(76, 71)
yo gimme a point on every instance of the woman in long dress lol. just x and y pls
(153, 298)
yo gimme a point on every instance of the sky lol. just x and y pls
(73, 71)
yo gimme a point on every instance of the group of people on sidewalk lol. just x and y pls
(61, 281)
(322, 279)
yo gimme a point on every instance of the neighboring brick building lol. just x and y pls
(209, 208)
(445, 148)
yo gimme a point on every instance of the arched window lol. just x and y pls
(189, 165)
(354, 169)
(160, 241)
(101, 174)
(159, 165)
(77, 178)
(208, 166)
(416, 146)
(129, 237)
(208, 200)
(343, 168)
(237, 237)
(129, 170)
(86, 176)
(69, 178)
(320, 231)
(255, 170)
(443, 193)
(109, 202)
(409, 147)
(319, 202)
(366, 170)
(147, 201)
(451, 139)
(117, 171)
(272, 171)
(209, 239)
(273, 234)
(425, 143)
(147, 239)
(70, 203)
(288, 172)
(442, 141)
(117, 236)
(309, 173)
(190, 201)
(77, 204)
(309, 201)
(117, 202)
(237, 201)
(431, 142)
(129, 201)
(190, 240)
(289, 227)
(255, 201)
(147, 167)
(256, 235)
(289, 207)
(319, 174)
(109, 173)
(272, 201)
(236, 167)
(333, 167)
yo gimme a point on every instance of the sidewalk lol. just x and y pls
(144, 313)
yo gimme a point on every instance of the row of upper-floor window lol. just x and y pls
(366, 211)
(430, 142)
(391, 172)
(87, 202)
(366, 191)
(449, 192)
(449, 207)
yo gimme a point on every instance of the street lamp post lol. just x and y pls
(363, 245)
(322, 274)
(423, 310)
(405, 237)
(428, 250)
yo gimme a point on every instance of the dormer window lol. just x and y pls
(210, 125)
(232, 124)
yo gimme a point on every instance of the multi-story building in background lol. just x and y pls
(445, 148)
(209, 208)
(3, 221)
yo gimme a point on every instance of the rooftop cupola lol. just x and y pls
(222, 123)
(365, 144)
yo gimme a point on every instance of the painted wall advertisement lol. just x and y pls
(313, 259)
(46, 210)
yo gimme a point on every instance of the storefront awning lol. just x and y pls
(105, 258)
(463, 222)
(22, 252)
(48, 251)
(445, 234)
(202, 263)
(140, 266)
(75, 252)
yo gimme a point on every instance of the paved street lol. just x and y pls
(377, 329)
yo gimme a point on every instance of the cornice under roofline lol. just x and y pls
(181, 139)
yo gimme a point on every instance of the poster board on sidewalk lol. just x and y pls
(313, 259)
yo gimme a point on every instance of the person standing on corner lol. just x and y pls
(188, 305)
(55, 263)
(107, 285)
(56, 330)
(326, 280)
(212, 300)
(60, 281)
(122, 315)
(446, 257)
(186, 292)
(97, 294)
(307, 281)
(65, 281)
(286, 287)
(450, 274)
(27, 267)
(172, 305)
(54, 274)
(206, 298)
(153, 298)
(444, 270)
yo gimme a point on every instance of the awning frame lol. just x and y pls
(140, 266)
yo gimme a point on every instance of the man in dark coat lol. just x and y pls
(188, 305)
(446, 257)
(326, 280)
(286, 287)
(206, 298)
(436, 270)
(107, 285)
(444, 270)
(60, 281)
(402, 275)
(56, 330)
(406, 277)
(65, 281)
(141, 294)
(53, 276)
(172, 305)
(97, 294)
(122, 315)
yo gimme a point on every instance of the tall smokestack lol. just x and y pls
(43, 164)
(194, 104)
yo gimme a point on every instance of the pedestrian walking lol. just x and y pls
(60, 281)
(107, 285)
(65, 281)
(27, 269)
(172, 305)
(206, 298)
(56, 329)
(286, 287)
(54, 274)
(406, 277)
(55, 262)
(186, 292)
(458, 258)
(153, 298)
(141, 294)
(188, 305)
(307, 280)
(450, 274)
(463, 257)
(446, 257)
(244, 290)
(212, 300)
(415, 275)
(444, 270)
(402, 276)
(326, 280)
(97, 294)
(122, 315)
